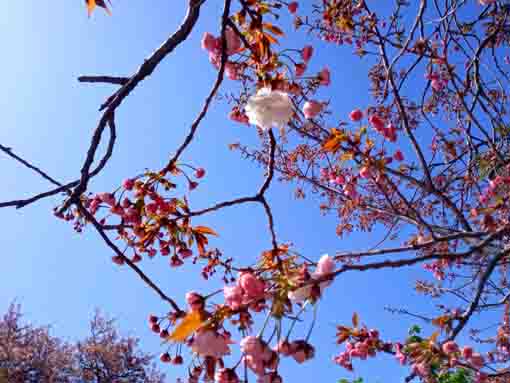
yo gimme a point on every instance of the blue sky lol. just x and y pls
(47, 117)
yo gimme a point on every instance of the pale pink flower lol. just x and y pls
(253, 287)
(269, 108)
(233, 41)
(233, 296)
(195, 301)
(301, 294)
(254, 364)
(312, 108)
(283, 347)
(210, 43)
(326, 265)
(251, 345)
(210, 343)
(226, 375)
(302, 351)
(450, 347)
(232, 70)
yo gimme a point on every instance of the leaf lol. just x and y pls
(273, 29)
(270, 39)
(205, 230)
(188, 325)
(355, 319)
(434, 337)
(332, 143)
(91, 5)
(347, 156)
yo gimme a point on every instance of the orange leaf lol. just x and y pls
(91, 5)
(273, 29)
(188, 325)
(270, 38)
(332, 144)
(205, 230)
(355, 319)
(434, 337)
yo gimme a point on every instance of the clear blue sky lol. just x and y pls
(47, 117)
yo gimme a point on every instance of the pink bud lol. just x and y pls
(307, 53)
(398, 156)
(365, 172)
(356, 115)
(293, 7)
(300, 69)
(324, 77)
(128, 184)
(200, 172)
(376, 122)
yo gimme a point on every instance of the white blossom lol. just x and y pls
(269, 108)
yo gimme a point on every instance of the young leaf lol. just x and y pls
(189, 324)
(91, 5)
(355, 319)
(205, 230)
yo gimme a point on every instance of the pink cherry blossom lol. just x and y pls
(232, 70)
(233, 41)
(253, 287)
(210, 43)
(233, 296)
(450, 347)
(325, 266)
(312, 108)
(210, 343)
(195, 301)
(226, 375)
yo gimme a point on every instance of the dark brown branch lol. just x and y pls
(119, 253)
(145, 70)
(212, 93)
(10, 153)
(476, 299)
(104, 79)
